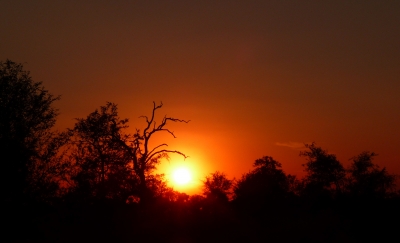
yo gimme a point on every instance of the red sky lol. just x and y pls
(255, 78)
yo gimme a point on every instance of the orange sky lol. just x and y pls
(254, 77)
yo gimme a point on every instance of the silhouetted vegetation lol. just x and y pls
(366, 180)
(95, 182)
(325, 174)
(265, 183)
(27, 144)
(98, 166)
(217, 186)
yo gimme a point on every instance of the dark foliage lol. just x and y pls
(26, 140)
(325, 174)
(367, 180)
(217, 187)
(99, 167)
(266, 182)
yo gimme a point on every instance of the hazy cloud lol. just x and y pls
(292, 145)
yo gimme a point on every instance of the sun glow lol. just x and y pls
(182, 176)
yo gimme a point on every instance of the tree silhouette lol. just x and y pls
(99, 164)
(325, 174)
(157, 185)
(367, 179)
(217, 186)
(143, 157)
(26, 119)
(266, 182)
(46, 173)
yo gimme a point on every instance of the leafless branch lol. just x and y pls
(145, 117)
(154, 149)
(177, 120)
(165, 151)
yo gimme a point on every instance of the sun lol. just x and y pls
(182, 176)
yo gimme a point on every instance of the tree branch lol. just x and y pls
(165, 151)
(164, 144)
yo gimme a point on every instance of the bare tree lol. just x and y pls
(143, 157)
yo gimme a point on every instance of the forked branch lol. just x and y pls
(142, 149)
(145, 158)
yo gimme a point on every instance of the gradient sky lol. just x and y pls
(255, 78)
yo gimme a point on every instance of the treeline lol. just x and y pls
(325, 179)
(97, 163)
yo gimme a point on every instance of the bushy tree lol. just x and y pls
(325, 174)
(217, 186)
(266, 182)
(27, 116)
(99, 165)
(366, 179)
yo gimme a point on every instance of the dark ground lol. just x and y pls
(217, 222)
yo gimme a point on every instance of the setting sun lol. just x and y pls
(182, 176)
